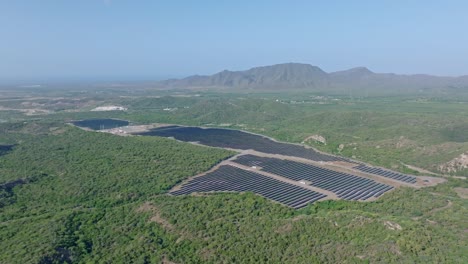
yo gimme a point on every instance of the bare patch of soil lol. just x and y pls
(146, 207)
(404, 142)
(426, 181)
(395, 249)
(27, 111)
(316, 138)
(392, 225)
(149, 207)
(342, 163)
(462, 192)
(449, 204)
(130, 130)
(158, 219)
(457, 164)
(289, 224)
(286, 228)
(57, 130)
(165, 260)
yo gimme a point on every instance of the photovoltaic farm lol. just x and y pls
(386, 173)
(100, 124)
(231, 179)
(235, 139)
(345, 186)
(5, 149)
(271, 177)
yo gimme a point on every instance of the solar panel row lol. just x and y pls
(227, 138)
(229, 178)
(386, 173)
(345, 186)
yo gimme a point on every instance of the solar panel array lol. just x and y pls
(4, 149)
(386, 173)
(229, 178)
(100, 124)
(235, 139)
(345, 186)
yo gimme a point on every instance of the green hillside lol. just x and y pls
(73, 196)
(92, 197)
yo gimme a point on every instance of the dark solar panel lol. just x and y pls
(229, 178)
(227, 138)
(345, 186)
(386, 173)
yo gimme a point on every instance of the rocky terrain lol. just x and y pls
(455, 165)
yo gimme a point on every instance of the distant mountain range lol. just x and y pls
(298, 76)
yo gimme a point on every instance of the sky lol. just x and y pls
(155, 39)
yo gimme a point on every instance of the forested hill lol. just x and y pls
(289, 76)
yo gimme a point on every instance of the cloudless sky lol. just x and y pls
(150, 39)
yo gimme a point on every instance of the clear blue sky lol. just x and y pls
(130, 39)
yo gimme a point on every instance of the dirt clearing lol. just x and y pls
(156, 217)
(462, 192)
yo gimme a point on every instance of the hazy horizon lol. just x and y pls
(44, 81)
(128, 41)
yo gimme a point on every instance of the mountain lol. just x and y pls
(290, 76)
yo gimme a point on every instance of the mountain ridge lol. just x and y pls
(287, 76)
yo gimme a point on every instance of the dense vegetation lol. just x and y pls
(243, 228)
(80, 188)
(73, 196)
